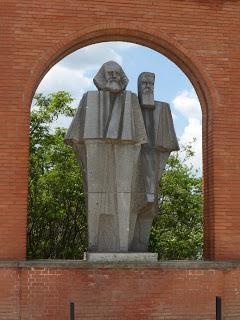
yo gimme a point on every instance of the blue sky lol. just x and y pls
(74, 73)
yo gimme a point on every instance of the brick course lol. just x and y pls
(160, 291)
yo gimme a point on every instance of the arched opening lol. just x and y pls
(196, 78)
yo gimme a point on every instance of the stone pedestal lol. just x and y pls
(120, 257)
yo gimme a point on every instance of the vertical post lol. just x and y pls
(218, 308)
(72, 312)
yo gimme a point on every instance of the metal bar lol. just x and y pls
(218, 308)
(72, 312)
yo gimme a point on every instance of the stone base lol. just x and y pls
(120, 257)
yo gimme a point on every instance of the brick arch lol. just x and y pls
(202, 37)
(136, 33)
(172, 49)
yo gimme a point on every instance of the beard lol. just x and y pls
(147, 99)
(113, 86)
(147, 91)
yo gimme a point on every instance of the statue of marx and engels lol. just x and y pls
(122, 142)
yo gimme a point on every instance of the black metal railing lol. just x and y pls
(218, 308)
(72, 311)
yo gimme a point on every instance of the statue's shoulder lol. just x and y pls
(130, 92)
(89, 97)
(162, 105)
(165, 132)
(162, 109)
(134, 97)
(91, 94)
(133, 94)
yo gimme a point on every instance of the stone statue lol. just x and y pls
(106, 135)
(152, 161)
(122, 143)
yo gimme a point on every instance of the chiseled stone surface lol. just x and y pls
(84, 264)
(153, 157)
(122, 148)
(121, 257)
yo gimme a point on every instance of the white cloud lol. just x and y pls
(187, 104)
(61, 78)
(193, 131)
(70, 74)
(91, 58)
(174, 116)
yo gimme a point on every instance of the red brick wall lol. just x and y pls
(201, 36)
(9, 293)
(159, 292)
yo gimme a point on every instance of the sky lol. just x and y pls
(75, 72)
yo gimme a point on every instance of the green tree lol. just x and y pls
(57, 217)
(57, 224)
(177, 231)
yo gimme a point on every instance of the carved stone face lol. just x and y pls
(146, 89)
(111, 77)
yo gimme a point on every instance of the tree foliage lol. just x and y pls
(177, 231)
(57, 217)
(57, 224)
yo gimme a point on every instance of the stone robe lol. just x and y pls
(152, 161)
(106, 134)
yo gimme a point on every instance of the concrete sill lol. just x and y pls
(81, 264)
